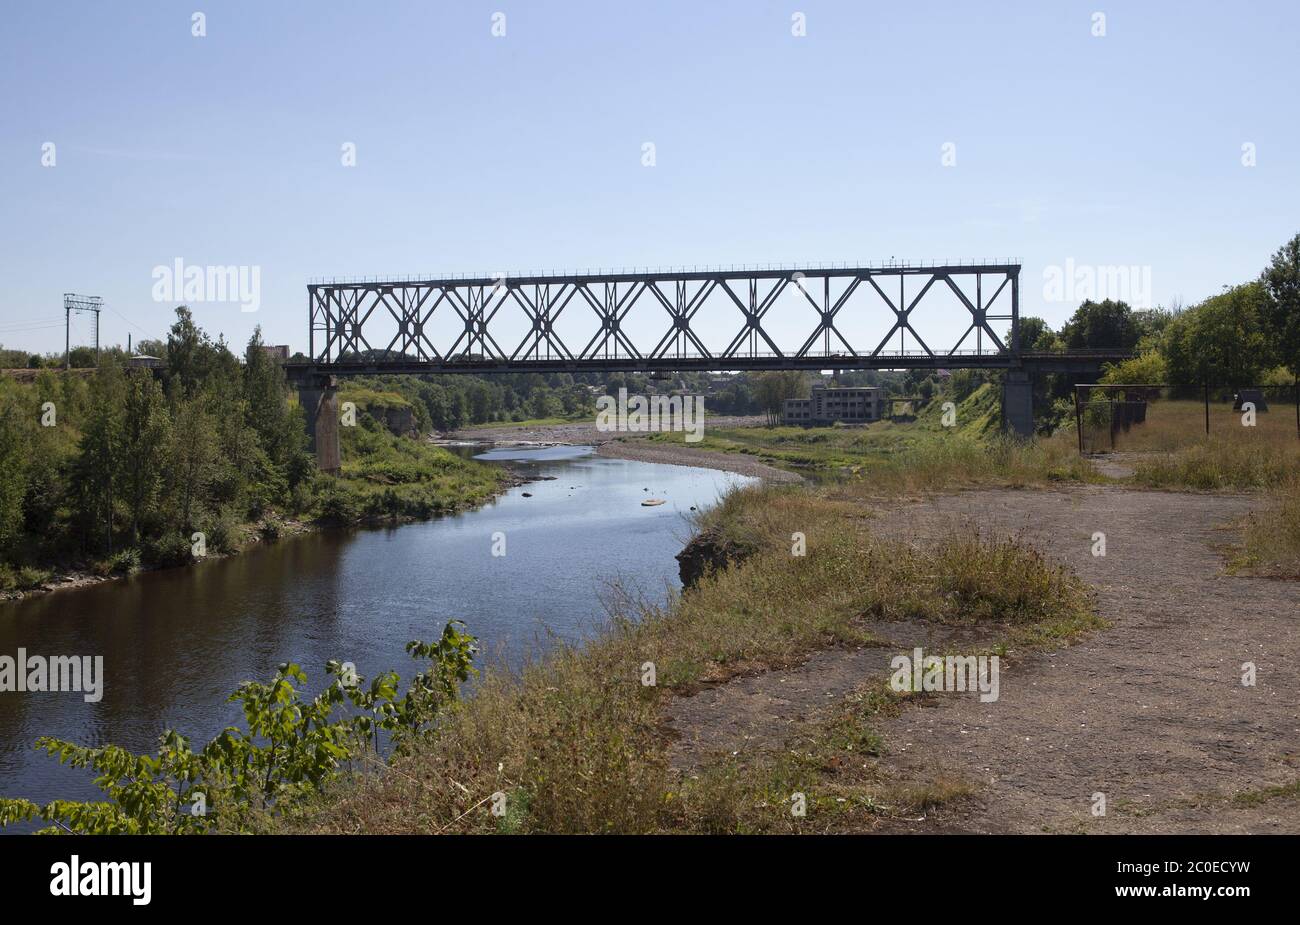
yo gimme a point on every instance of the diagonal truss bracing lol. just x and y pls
(454, 324)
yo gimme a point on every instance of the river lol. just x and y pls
(176, 642)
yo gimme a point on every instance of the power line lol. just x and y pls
(128, 320)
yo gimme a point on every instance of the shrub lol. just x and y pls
(336, 505)
(168, 550)
(289, 750)
(223, 534)
(126, 562)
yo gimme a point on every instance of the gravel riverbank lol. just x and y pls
(623, 446)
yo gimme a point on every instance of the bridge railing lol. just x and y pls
(672, 270)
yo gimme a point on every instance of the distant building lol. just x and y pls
(828, 405)
(143, 361)
(278, 353)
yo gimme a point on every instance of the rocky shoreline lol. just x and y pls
(622, 446)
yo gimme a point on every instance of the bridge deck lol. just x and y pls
(1083, 361)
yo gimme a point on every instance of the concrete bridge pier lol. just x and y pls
(1018, 403)
(320, 400)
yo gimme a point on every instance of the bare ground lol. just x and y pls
(1151, 712)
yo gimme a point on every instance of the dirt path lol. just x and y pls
(1150, 712)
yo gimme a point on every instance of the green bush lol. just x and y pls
(289, 750)
(223, 534)
(168, 550)
(126, 562)
(336, 505)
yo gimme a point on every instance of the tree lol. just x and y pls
(97, 467)
(480, 402)
(774, 388)
(81, 357)
(1149, 368)
(145, 430)
(190, 355)
(264, 396)
(13, 476)
(456, 411)
(541, 404)
(1281, 312)
(1150, 324)
(1101, 324)
(1035, 334)
(1222, 341)
(191, 461)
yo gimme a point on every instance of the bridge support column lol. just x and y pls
(320, 400)
(1018, 403)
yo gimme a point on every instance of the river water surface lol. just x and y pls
(175, 643)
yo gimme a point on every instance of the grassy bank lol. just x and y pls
(576, 741)
(834, 451)
(385, 478)
(391, 477)
(901, 457)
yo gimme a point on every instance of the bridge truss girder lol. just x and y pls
(339, 313)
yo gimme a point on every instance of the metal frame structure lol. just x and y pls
(79, 303)
(1083, 389)
(338, 313)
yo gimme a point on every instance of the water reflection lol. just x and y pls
(176, 643)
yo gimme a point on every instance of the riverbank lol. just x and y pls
(581, 742)
(371, 491)
(177, 642)
(766, 684)
(624, 446)
(770, 673)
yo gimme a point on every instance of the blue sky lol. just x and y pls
(483, 153)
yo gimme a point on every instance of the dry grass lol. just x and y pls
(904, 457)
(1271, 537)
(575, 741)
(967, 462)
(1240, 462)
(1176, 424)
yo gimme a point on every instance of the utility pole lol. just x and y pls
(79, 303)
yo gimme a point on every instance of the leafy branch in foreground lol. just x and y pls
(289, 751)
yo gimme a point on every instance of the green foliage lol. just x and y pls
(13, 475)
(82, 358)
(1035, 334)
(289, 750)
(145, 431)
(1149, 368)
(135, 463)
(772, 389)
(1281, 311)
(1101, 324)
(1223, 340)
(168, 550)
(126, 562)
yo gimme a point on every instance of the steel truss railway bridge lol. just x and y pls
(667, 321)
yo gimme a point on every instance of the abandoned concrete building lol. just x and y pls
(827, 405)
